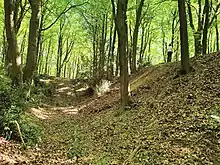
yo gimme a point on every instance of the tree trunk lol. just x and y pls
(121, 24)
(209, 42)
(112, 57)
(30, 67)
(135, 36)
(4, 47)
(217, 33)
(13, 53)
(197, 34)
(60, 49)
(22, 49)
(39, 39)
(206, 27)
(164, 45)
(110, 50)
(47, 57)
(95, 51)
(174, 14)
(130, 47)
(183, 37)
(177, 49)
(142, 46)
(117, 63)
(102, 46)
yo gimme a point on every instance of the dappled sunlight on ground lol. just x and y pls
(72, 111)
(5, 159)
(41, 113)
(63, 89)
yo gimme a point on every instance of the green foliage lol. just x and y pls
(32, 133)
(77, 147)
(103, 160)
(12, 105)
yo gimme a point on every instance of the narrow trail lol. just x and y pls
(61, 112)
(56, 116)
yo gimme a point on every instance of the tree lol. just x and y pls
(32, 41)
(121, 26)
(206, 15)
(13, 56)
(135, 36)
(183, 37)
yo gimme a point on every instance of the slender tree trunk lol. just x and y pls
(60, 50)
(149, 51)
(30, 67)
(142, 46)
(47, 57)
(41, 58)
(135, 36)
(4, 47)
(177, 49)
(112, 57)
(183, 37)
(146, 41)
(23, 44)
(95, 56)
(164, 44)
(217, 33)
(39, 39)
(197, 34)
(173, 27)
(69, 48)
(206, 27)
(110, 50)
(117, 64)
(209, 42)
(130, 43)
(102, 46)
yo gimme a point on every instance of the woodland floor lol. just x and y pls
(169, 121)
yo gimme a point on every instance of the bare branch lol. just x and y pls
(63, 12)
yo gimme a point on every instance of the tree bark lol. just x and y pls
(31, 61)
(14, 59)
(206, 27)
(102, 46)
(47, 57)
(60, 49)
(121, 24)
(183, 37)
(196, 33)
(135, 36)
(217, 33)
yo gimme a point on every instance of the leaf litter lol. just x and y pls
(170, 121)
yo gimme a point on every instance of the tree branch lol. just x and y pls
(63, 12)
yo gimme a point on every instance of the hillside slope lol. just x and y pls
(169, 122)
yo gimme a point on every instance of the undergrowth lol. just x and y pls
(12, 105)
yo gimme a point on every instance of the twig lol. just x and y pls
(20, 134)
(132, 155)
